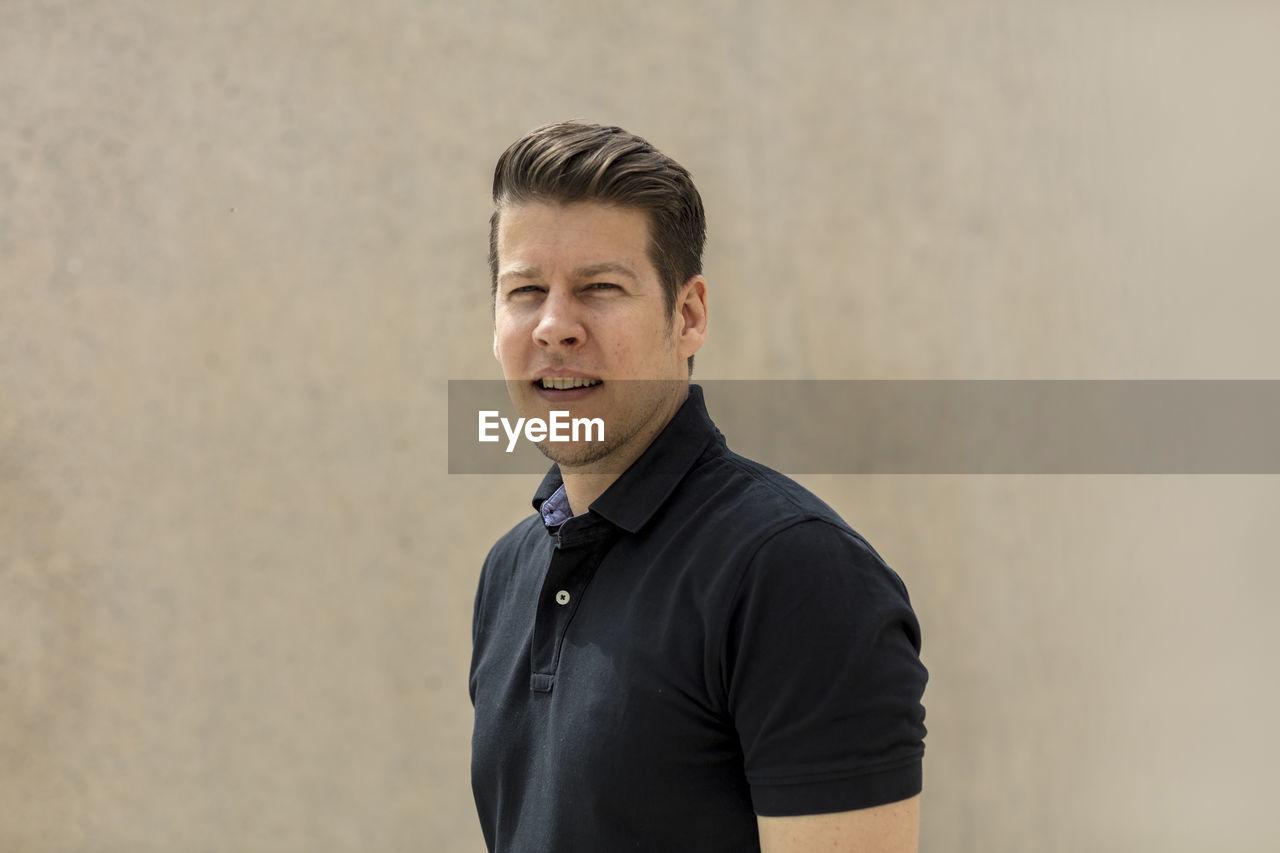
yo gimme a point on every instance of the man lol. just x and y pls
(681, 650)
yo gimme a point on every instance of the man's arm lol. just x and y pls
(891, 828)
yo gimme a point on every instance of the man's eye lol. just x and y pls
(601, 285)
(528, 288)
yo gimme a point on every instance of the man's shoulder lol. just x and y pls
(740, 494)
(528, 531)
(763, 489)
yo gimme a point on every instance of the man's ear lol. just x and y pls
(691, 316)
(497, 353)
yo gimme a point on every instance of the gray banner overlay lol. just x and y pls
(945, 426)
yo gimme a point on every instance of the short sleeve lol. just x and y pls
(824, 675)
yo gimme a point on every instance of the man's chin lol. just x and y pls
(592, 456)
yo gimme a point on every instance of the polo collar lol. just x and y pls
(636, 495)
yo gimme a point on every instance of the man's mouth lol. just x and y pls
(553, 383)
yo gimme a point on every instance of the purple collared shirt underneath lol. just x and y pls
(555, 509)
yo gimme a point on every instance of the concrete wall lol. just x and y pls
(242, 249)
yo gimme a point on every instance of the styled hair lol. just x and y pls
(571, 161)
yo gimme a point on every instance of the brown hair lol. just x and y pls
(571, 161)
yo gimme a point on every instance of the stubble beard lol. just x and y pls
(652, 411)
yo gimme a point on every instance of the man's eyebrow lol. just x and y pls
(521, 272)
(606, 267)
(589, 271)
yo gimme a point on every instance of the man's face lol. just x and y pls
(581, 325)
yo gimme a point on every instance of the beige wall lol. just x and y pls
(242, 249)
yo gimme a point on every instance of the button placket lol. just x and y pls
(570, 570)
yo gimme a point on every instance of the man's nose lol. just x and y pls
(560, 324)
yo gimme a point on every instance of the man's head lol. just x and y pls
(572, 162)
(598, 302)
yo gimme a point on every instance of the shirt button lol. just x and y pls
(562, 597)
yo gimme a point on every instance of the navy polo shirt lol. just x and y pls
(708, 643)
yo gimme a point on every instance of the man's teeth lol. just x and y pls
(565, 384)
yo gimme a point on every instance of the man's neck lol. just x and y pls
(582, 489)
(583, 485)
